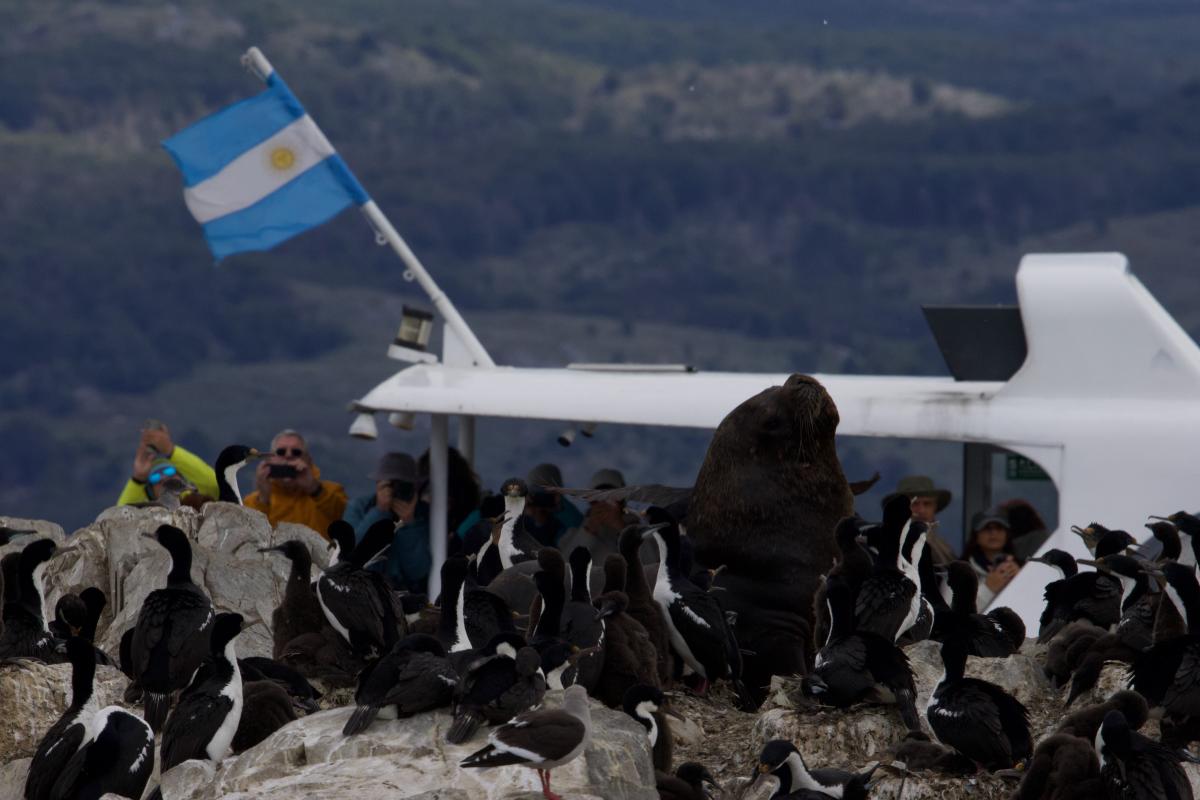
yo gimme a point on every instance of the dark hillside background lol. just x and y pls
(761, 185)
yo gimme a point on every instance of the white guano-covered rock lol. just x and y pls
(34, 695)
(113, 554)
(410, 759)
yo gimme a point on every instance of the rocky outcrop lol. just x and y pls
(112, 554)
(410, 759)
(33, 696)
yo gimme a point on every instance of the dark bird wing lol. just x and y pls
(974, 725)
(884, 600)
(651, 493)
(192, 725)
(701, 623)
(51, 757)
(485, 615)
(533, 738)
(170, 637)
(362, 604)
(1183, 694)
(118, 761)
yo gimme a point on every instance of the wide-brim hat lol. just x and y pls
(920, 486)
(607, 479)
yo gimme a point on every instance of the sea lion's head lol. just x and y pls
(794, 423)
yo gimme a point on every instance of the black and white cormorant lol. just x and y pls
(581, 625)
(978, 719)
(470, 616)
(645, 703)
(642, 606)
(171, 635)
(1136, 767)
(997, 634)
(1187, 527)
(912, 552)
(887, 602)
(413, 676)
(1168, 673)
(1090, 596)
(230, 460)
(26, 630)
(558, 655)
(514, 544)
(857, 666)
(299, 613)
(357, 601)
(629, 657)
(699, 632)
(1140, 619)
(503, 681)
(90, 752)
(203, 723)
(780, 758)
(542, 739)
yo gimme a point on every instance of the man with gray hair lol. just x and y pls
(289, 486)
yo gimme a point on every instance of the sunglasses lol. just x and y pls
(159, 475)
(283, 452)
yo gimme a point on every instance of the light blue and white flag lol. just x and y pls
(259, 172)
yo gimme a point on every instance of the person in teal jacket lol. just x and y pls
(396, 499)
(154, 448)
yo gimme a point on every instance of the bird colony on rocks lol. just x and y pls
(201, 654)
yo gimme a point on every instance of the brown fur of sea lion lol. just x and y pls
(768, 497)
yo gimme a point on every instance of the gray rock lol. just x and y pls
(409, 758)
(225, 563)
(12, 779)
(33, 696)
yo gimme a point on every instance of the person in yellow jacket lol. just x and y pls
(156, 455)
(300, 495)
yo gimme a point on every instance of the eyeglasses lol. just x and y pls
(158, 475)
(283, 452)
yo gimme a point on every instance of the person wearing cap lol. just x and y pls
(601, 528)
(547, 514)
(397, 498)
(990, 551)
(926, 501)
(154, 461)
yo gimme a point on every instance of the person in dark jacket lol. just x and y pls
(397, 497)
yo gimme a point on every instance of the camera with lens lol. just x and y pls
(402, 490)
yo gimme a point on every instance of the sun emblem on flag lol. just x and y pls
(282, 158)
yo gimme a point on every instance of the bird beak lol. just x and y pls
(1038, 559)
(255, 453)
(276, 548)
(605, 610)
(149, 536)
(1163, 519)
(1078, 531)
(649, 531)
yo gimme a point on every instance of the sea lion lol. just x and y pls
(768, 497)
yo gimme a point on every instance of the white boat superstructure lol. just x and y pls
(1105, 402)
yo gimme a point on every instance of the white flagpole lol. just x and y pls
(257, 63)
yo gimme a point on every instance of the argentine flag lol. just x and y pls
(260, 171)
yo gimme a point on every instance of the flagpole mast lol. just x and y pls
(385, 233)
